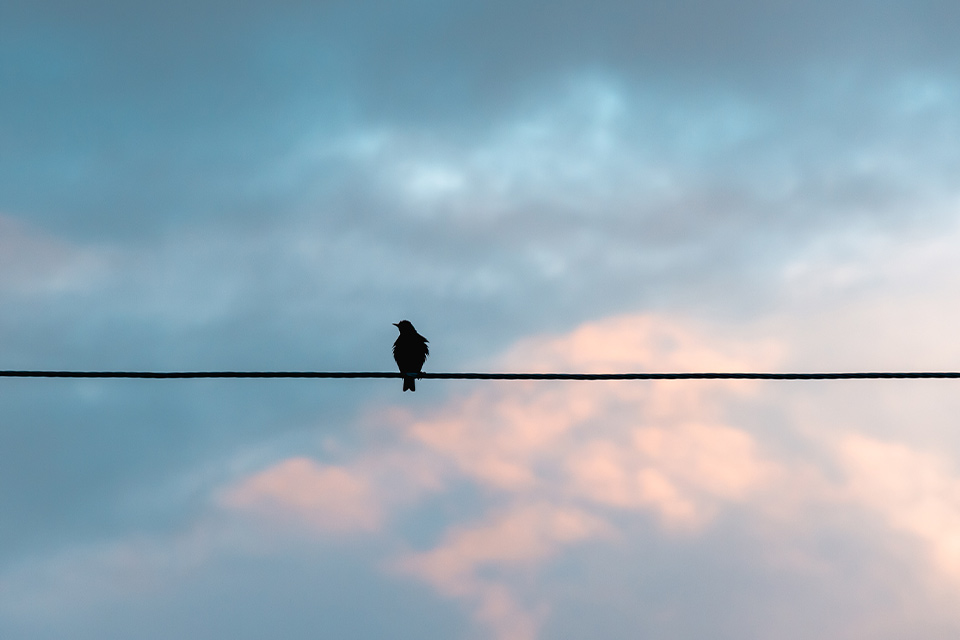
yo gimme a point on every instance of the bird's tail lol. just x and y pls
(409, 383)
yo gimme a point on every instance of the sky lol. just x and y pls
(605, 186)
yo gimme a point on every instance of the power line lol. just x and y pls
(859, 375)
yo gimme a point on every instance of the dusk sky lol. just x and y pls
(605, 186)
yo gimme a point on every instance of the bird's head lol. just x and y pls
(404, 326)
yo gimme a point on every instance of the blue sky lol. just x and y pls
(604, 186)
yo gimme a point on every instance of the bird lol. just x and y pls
(410, 351)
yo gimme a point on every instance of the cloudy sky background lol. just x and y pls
(604, 186)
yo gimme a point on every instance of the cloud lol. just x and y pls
(483, 497)
(555, 463)
(916, 492)
(683, 472)
(329, 498)
(736, 185)
(523, 536)
(557, 468)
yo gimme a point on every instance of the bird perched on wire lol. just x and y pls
(410, 351)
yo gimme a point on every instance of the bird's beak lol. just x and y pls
(396, 324)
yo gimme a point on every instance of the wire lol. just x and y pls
(862, 375)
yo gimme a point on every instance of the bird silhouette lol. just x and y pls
(410, 351)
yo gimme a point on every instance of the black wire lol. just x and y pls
(863, 375)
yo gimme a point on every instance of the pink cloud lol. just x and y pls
(563, 466)
(682, 473)
(517, 539)
(641, 342)
(915, 491)
(521, 536)
(552, 459)
(327, 498)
